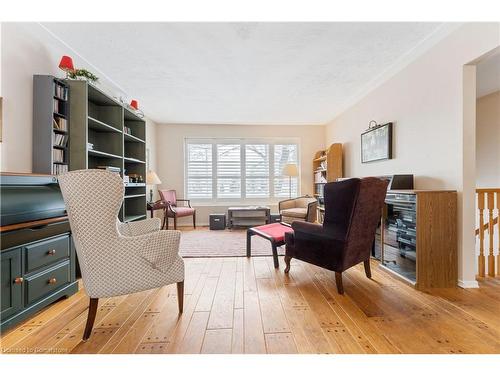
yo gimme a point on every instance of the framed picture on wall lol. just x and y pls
(376, 143)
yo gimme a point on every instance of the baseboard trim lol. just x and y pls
(468, 284)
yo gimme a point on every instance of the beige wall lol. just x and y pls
(488, 141)
(27, 49)
(170, 151)
(425, 101)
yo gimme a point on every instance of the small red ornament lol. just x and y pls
(134, 104)
(66, 64)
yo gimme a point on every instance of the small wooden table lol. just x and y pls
(158, 205)
(275, 233)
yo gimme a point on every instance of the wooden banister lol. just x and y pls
(488, 200)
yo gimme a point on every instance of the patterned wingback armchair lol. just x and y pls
(352, 213)
(116, 258)
(298, 209)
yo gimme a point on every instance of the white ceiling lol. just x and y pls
(488, 75)
(242, 73)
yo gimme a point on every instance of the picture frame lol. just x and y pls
(376, 143)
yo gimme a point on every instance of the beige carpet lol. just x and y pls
(222, 243)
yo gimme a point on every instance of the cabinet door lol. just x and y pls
(11, 289)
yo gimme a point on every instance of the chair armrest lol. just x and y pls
(309, 229)
(288, 203)
(311, 211)
(136, 228)
(160, 249)
(185, 200)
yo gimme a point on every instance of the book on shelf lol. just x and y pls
(60, 123)
(110, 168)
(61, 92)
(319, 177)
(60, 139)
(58, 155)
(59, 168)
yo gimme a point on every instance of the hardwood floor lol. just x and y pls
(240, 305)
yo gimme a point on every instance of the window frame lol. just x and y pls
(243, 199)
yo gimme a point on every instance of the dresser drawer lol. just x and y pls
(47, 252)
(45, 282)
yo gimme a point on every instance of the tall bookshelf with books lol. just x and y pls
(106, 134)
(50, 125)
(327, 167)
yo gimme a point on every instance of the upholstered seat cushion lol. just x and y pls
(183, 211)
(295, 212)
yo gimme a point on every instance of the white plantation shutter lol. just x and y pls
(228, 171)
(239, 169)
(199, 171)
(257, 171)
(284, 154)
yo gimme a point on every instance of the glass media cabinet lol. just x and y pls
(418, 240)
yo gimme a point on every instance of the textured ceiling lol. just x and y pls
(242, 73)
(488, 75)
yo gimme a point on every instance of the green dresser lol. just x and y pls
(37, 255)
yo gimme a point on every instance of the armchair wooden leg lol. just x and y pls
(180, 296)
(338, 281)
(175, 222)
(287, 263)
(194, 220)
(368, 271)
(90, 318)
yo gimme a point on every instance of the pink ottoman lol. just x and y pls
(274, 232)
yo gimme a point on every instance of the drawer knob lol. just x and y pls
(52, 280)
(52, 252)
(18, 280)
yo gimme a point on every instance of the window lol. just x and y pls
(236, 169)
(257, 171)
(228, 171)
(199, 171)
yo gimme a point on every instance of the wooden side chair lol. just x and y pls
(116, 258)
(174, 210)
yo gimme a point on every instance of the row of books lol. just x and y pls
(319, 190)
(319, 177)
(61, 92)
(60, 123)
(58, 106)
(60, 139)
(59, 168)
(57, 155)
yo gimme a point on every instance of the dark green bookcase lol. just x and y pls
(99, 119)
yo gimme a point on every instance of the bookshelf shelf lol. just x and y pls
(100, 119)
(128, 218)
(101, 126)
(134, 196)
(132, 138)
(133, 160)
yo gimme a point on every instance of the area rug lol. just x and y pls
(222, 243)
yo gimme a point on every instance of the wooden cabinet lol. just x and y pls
(11, 289)
(34, 275)
(419, 237)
